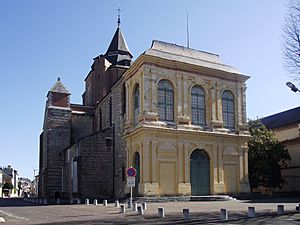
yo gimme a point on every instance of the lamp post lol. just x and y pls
(292, 86)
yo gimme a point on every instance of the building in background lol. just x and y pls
(11, 176)
(1, 181)
(176, 114)
(25, 187)
(286, 127)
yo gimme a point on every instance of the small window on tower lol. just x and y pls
(108, 142)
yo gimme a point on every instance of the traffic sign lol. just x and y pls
(131, 172)
(130, 181)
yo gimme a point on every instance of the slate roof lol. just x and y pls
(282, 119)
(59, 87)
(118, 52)
(187, 55)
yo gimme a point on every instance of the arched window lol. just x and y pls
(165, 100)
(198, 106)
(228, 109)
(136, 104)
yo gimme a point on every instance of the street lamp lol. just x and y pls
(292, 86)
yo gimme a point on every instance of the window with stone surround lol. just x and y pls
(110, 111)
(165, 100)
(100, 119)
(136, 104)
(198, 105)
(228, 110)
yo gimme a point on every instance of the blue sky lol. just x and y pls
(41, 40)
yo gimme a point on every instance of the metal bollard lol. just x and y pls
(87, 201)
(58, 201)
(78, 201)
(117, 204)
(104, 202)
(144, 205)
(161, 212)
(251, 212)
(140, 210)
(280, 209)
(135, 206)
(186, 214)
(45, 201)
(128, 205)
(224, 214)
(122, 208)
(95, 202)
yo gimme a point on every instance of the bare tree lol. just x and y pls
(291, 40)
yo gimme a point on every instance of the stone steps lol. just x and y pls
(184, 198)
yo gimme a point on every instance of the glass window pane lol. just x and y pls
(136, 104)
(165, 100)
(228, 109)
(198, 106)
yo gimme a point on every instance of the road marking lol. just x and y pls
(13, 216)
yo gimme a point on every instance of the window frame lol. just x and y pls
(196, 110)
(165, 108)
(136, 104)
(228, 110)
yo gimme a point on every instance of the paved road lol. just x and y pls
(16, 211)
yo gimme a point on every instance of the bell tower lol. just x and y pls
(107, 68)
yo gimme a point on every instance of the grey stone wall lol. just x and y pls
(119, 144)
(95, 165)
(57, 137)
(82, 125)
(106, 117)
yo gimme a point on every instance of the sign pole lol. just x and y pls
(131, 199)
(131, 173)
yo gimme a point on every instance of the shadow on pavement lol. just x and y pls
(196, 218)
(295, 199)
(15, 202)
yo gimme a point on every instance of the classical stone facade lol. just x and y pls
(176, 114)
(165, 147)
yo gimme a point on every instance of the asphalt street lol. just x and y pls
(16, 211)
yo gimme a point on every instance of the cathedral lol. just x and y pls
(175, 114)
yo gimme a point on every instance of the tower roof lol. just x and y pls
(59, 87)
(118, 52)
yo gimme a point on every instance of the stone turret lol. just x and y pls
(56, 137)
(59, 95)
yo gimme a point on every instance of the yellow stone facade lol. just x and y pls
(165, 148)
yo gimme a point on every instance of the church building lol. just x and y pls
(176, 114)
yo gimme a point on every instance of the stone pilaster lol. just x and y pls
(219, 187)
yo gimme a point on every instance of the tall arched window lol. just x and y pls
(136, 104)
(198, 106)
(165, 100)
(228, 109)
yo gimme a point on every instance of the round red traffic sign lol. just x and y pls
(131, 172)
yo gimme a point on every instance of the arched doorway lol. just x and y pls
(136, 165)
(199, 173)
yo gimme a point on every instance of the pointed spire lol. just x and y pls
(118, 52)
